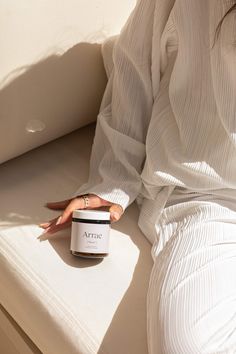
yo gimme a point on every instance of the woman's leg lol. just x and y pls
(191, 303)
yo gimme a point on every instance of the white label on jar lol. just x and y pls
(90, 238)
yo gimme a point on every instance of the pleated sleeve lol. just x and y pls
(118, 151)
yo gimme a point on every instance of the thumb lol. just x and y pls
(116, 212)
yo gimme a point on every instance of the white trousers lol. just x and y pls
(191, 300)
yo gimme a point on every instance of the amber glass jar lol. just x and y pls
(90, 233)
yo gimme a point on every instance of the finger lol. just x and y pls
(58, 205)
(96, 202)
(47, 223)
(78, 203)
(55, 228)
(116, 212)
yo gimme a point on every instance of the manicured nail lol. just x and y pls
(115, 215)
(58, 221)
(43, 223)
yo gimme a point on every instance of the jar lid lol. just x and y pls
(91, 214)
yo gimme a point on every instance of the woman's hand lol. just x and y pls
(64, 220)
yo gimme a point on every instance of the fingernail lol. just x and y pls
(43, 223)
(46, 230)
(58, 221)
(115, 215)
(41, 226)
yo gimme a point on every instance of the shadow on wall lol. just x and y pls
(51, 98)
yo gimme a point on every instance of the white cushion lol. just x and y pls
(66, 304)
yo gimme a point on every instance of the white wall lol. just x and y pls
(51, 71)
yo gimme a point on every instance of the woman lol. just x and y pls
(165, 137)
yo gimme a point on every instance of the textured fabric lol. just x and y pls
(168, 113)
(167, 124)
(192, 291)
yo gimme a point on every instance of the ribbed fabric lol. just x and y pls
(168, 112)
(165, 136)
(118, 151)
(191, 302)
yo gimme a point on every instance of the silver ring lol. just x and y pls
(86, 200)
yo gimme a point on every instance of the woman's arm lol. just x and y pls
(118, 150)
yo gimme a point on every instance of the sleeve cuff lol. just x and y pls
(115, 195)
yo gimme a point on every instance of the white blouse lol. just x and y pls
(168, 115)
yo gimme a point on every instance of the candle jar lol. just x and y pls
(90, 233)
